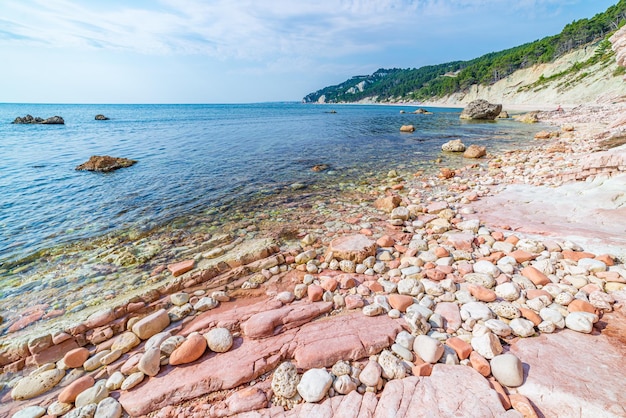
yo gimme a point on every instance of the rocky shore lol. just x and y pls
(454, 294)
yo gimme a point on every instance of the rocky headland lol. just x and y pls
(428, 295)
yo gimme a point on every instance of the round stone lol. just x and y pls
(108, 408)
(405, 339)
(341, 367)
(344, 384)
(76, 357)
(522, 327)
(507, 291)
(314, 385)
(580, 321)
(219, 340)
(57, 408)
(190, 350)
(498, 327)
(71, 391)
(486, 267)
(205, 304)
(285, 380)
(114, 382)
(508, 370)
(428, 349)
(126, 341)
(476, 310)
(371, 373)
(179, 299)
(554, 316)
(506, 310)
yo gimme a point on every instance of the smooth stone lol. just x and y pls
(132, 380)
(498, 327)
(219, 340)
(179, 299)
(34, 411)
(486, 267)
(93, 395)
(411, 287)
(76, 358)
(508, 370)
(172, 343)
(34, 385)
(86, 411)
(476, 310)
(507, 291)
(57, 408)
(151, 324)
(373, 310)
(150, 362)
(405, 339)
(108, 408)
(581, 321)
(190, 350)
(285, 380)
(206, 304)
(522, 327)
(344, 384)
(125, 342)
(114, 382)
(554, 316)
(506, 310)
(371, 374)
(71, 391)
(314, 385)
(402, 352)
(428, 349)
(157, 339)
(487, 345)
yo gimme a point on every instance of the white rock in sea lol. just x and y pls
(285, 380)
(428, 349)
(508, 370)
(581, 321)
(314, 385)
(219, 340)
(454, 145)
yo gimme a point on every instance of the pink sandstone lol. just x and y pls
(266, 324)
(351, 247)
(181, 267)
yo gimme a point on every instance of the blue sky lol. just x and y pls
(238, 51)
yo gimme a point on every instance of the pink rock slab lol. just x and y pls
(317, 344)
(573, 374)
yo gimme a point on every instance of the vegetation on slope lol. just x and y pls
(440, 80)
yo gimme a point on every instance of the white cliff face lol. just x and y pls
(619, 46)
(599, 85)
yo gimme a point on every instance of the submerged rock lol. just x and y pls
(101, 117)
(105, 163)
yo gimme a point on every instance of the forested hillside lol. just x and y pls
(436, 81)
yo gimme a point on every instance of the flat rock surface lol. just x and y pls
(576, 375)
(591, 213)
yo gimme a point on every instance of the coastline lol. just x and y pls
(473, 186)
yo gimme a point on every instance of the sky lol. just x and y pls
(245, 51)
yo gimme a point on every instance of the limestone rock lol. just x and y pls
(454, 145)
(150, 362)
(475, 151)
(508, 370)
(482, 110)
(219, 340)
(93, 395)
(285, 380)
(351, 247)
(34, 411)
(34, 385)
(105, 163)
(429, 349)
(151, 324)
(314, 385)
(108, 408)
(407, 128)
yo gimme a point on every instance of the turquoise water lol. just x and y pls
(195, 157)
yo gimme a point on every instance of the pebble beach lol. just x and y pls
(470, 289)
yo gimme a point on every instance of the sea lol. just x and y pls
(195, 157)
(71, 241)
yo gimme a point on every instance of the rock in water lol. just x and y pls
(105, 163)
(454, 145)
(101, 117)
(475, 151)
(28, 119)
(481, 110)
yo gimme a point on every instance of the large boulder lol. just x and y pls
(481, 110)
(105, 163)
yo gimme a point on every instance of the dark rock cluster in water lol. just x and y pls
(101, 117)
(28, 119)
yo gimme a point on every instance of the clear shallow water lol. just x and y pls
(196, 157)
